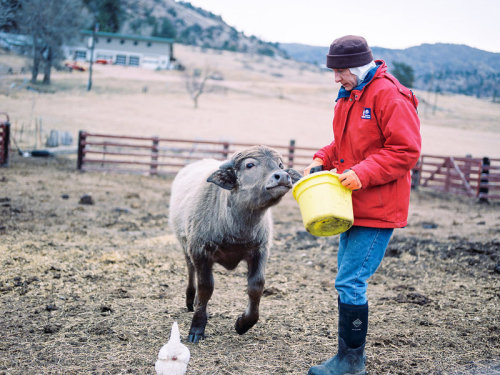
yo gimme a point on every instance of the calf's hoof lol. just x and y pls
(242, 325)
(195, 336)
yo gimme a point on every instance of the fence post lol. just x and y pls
(4, 157)
(104, 150)
(6, 143)
(225, 151)
(154, 157)
(447, 179)
(2, 144)
(484, 179)
(420, 170)
(467, 167)
(82, 137)
(415, 175)
(291, 152)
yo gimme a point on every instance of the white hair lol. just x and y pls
(361, 71)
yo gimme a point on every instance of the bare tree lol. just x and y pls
(50, 23)
(196, 80)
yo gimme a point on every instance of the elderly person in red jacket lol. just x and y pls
(376, 143)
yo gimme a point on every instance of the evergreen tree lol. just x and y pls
(404, 73)
(167, 29)
(107, 13)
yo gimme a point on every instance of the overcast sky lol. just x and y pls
(384, 23)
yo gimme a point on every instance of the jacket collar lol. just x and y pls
(343, 93)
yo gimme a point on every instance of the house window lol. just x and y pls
(133, 60)
(108, 40)
(80, 55)
(136, 42)
(121, 59)
(149, 44)
(122, 41)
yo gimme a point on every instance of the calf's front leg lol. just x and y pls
(191, 288)
(256, 281)
(204, 290)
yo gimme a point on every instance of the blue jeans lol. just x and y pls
(361, 250)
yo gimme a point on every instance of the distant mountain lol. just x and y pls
(443, 67)
(306, 53)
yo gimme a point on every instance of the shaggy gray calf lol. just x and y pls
(220, 214)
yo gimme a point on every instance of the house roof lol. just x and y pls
(131, 37)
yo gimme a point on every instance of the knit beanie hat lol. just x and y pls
(349, 51)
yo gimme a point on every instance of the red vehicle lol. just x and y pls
(74, 66)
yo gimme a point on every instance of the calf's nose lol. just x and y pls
(280, 178)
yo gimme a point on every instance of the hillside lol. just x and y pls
(438, 67)
(186, 24)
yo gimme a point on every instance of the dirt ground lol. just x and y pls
(94, 289)
(258, 100)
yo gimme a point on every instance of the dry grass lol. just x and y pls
(259, 100)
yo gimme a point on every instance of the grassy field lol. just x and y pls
(259, 100)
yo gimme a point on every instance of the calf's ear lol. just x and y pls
(294, 175)
(225, 176)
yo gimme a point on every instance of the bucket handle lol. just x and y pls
(319, 168)
(315, 169)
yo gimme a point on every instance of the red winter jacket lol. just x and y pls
(377, 135)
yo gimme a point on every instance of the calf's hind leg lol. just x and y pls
(256, 281)
(204, 290)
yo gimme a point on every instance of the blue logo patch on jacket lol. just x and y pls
(367, 114)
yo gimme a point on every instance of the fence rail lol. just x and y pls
(472, 177)
(163, 156)
(4, 139)
(467, 176)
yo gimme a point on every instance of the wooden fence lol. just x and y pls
(4, 138)
(467, 176)
(163, 156)
(472, 177)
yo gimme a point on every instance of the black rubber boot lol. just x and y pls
(350, 358)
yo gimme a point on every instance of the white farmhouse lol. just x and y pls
(120, 49)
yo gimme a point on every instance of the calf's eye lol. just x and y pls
(250, 165)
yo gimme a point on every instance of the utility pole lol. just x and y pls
(92, 45)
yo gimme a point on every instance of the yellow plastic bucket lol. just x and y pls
(325, 204)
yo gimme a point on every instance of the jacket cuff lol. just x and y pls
(362, 177)
(326, 160)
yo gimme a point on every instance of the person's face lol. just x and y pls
(345, 78)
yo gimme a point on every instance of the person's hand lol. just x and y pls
(350, 180)
(315, 163)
